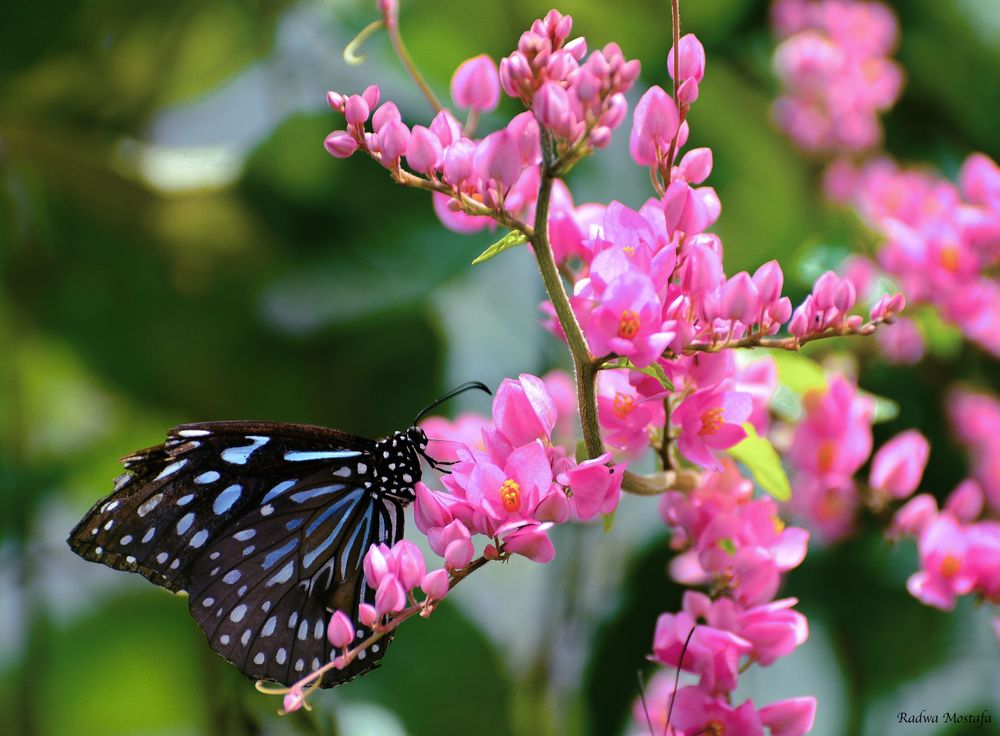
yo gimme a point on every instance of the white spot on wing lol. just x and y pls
(240, 455)
(225, 500)
(304, 455)
(237, 614)
(149, 505)
(199, 539)
(171, 469)
(193, 432)
(185, 523)
(209, 476)
(149, 534)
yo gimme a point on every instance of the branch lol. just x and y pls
(783, 343)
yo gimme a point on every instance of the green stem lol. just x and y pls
(585, 365)
(404, 56)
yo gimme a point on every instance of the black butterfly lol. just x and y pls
(265, 526)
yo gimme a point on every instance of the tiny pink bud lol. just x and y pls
(600, 137)
(692, 59)
(845, 296)
(446, 127)
(294, 699)
(335, 100)
(577, 48)
(410, 563)
(340, 630)
(371, 95)
(340, 144)
(457, 166)
(899, 464)
(390, 596)
(552, 110)
(913, 516)
(367, 615)
(654, 124)
(825, 290)
(393, 139)
(687, 93)
(435, 584)
(356, 110)
(781, 310)
(768, 278)
(799, 326)
(854, 321)
(695, 167)
(966, 501)
(423, 152)
(497, 158)
(740, 300)
(476, 84)
(376, 566)
(387, 113)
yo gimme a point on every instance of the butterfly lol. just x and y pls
(265, 526)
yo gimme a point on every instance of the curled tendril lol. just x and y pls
(351, 51)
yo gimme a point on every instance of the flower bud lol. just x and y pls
(691, 64)
(393, 139)
(435, 584)
(356, 110)
(387, 113)
(768, 278)
(446, 128)
(423, 151)
(552, 109)
(340, 630)
(340, 144)
(371, 96)
(476, 84)
(376, 565)
(654, 124)
(899, 464)
(409, 563)
(335, 100)
(390, 596)
(740, 300)
(367, 615)
(966, 502)
(687, 94)
(696, 166)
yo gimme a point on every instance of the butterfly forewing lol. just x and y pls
(265, 525)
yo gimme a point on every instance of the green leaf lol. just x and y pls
(885, 409)
(799, 372)
(511, 239)
(607, 521)
(761, 459)
(653, 370)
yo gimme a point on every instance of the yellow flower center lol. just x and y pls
(950, 566)
(714, 728)
(949, 258)
(779, 525)
(826, 455)
(629, 250)
(712, 421)
(510, 494)
(628, 325)
(623, 406)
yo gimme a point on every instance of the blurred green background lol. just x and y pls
(175, 245)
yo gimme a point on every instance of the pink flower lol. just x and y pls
(913, 517)
(791, 717)
(946, 572)
(692, 58)
(698, 712)
(899, 464)
(712, 653)
(966, 502)
(524, 410)
(476, 84)
(901, 342)
(711, 419)
(773, 629)
(596, 486)
(528, 539)
(628, 321)
(834, 439)
(624, 414)
(446, 437)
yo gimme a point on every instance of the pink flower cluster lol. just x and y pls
(575, 98)
(835, 72)
(975, 417)
(740, 546)
(517, 485)
(941, 239)
(393, 573)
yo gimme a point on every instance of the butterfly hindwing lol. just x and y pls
(265, 525)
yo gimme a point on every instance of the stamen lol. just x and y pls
(712, 421)
(510, 494)
(628, 325)
(623, 405)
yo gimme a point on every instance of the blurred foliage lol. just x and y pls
(175, 245)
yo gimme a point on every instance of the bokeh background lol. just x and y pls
(175, 245)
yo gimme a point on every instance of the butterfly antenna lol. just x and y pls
(478, 385)
(677, 678)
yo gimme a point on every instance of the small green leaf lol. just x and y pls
(511, 239)
(885, 409)
(787, 404)
(653, 370)
(607, 521)
(727, 545)
(761, 459)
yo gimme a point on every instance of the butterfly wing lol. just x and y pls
(268, 521)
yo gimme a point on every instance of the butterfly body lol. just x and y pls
(265, 526)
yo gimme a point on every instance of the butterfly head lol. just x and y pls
(417, 437)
